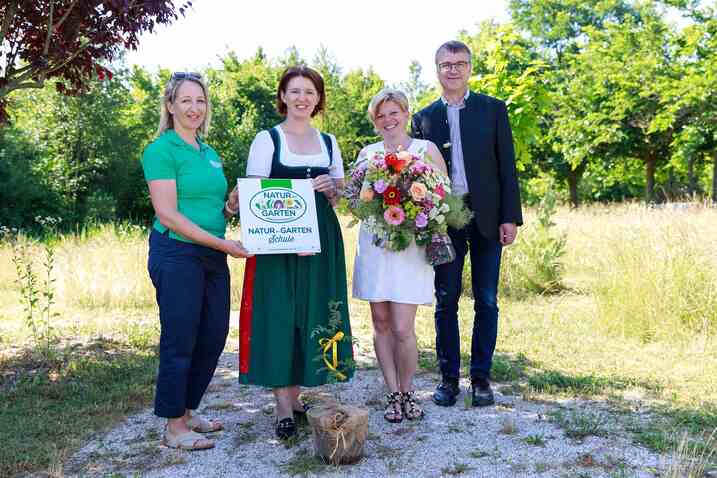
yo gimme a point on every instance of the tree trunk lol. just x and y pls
(573, 179)
(650, 167)
(574, 176)
(714, 177)
(691, 178)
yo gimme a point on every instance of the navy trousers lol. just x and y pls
(485, 270)
(192, 284)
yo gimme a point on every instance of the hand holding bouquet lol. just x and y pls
(401, 198)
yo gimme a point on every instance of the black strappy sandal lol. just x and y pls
(394, 409)
(305, 407)
(285, 428)
(411, 409)
(300, 415)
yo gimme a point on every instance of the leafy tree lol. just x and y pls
(70, 40)
(90, 145)
(508, 68)
(244, 103)
(419, 93)
(613, 87)
(24, 192)
(347, 100)
(558, 29)
(689, 103)
(559, 25)
(139, 118)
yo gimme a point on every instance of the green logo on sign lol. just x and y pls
(277, 205)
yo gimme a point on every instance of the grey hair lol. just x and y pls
(454, 46)
(166, 120)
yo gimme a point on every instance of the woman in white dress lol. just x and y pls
(395, 283)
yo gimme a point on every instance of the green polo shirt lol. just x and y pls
(201, 185)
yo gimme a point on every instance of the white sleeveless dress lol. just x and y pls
(381, 275)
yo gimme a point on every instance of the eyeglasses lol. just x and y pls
(447, 66)
(184, 75)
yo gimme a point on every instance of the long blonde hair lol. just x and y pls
(166, 121)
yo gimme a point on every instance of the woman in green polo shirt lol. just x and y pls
(188, 258)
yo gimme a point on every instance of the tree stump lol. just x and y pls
(339, 432)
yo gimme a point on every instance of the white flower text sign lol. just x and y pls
(278, 216)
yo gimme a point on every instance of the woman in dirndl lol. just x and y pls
(286, 297)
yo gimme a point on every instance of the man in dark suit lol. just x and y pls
(473, 133)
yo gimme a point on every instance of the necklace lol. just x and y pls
(393, 149)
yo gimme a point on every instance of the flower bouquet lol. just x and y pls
(401, 197)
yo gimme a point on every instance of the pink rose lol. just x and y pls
(418, 191)
(404, 155)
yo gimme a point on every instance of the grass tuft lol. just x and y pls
(579, 424)
(304, 463)
(693, 459)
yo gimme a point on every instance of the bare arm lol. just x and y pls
(164, 200)
(437, 157)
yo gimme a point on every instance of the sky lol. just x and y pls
(384, 34)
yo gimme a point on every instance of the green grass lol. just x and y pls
(456, 469)
(49, 409)
(535, 440)
(634, 325)
(304, 463)
(579, 425)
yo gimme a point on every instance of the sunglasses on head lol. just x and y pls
(184, 75)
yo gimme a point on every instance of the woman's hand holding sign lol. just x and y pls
(235, 249)
(324, 184)
(327, 185)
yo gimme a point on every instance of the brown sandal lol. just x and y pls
(394, 409)
(411, 409)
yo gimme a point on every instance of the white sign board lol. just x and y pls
(278, 216)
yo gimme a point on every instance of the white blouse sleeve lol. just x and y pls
(336, 170)
(260, 155)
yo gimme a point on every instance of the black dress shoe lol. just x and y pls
(285, 428)
(482, 394)
(446, 393)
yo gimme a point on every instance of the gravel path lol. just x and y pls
(514, 438)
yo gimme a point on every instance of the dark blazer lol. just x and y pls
(488, 155)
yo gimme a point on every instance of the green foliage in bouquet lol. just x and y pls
(458, 215)
(360, 211)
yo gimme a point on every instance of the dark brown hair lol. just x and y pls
(454, 46)
(306, 72)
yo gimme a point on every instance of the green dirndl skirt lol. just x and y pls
(285, 298)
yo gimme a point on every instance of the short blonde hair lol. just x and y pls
(384, 96)
(166, 121)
